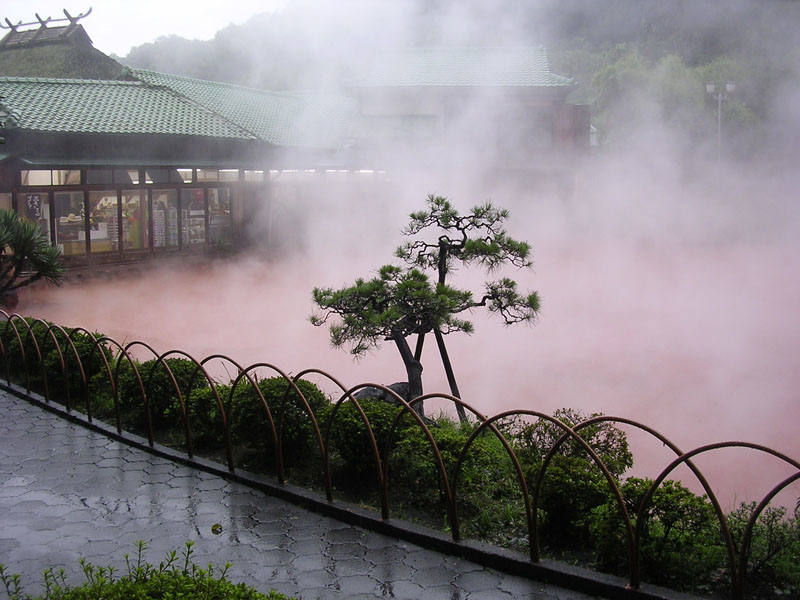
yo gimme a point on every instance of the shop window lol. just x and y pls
(207, 175)
(181, 176)
(134, 221)
(103, 221)
(99, 176)
(219, 216)
(229, 174)
(157, 176)
(70, 224)
(193, 217)
(66, 177)
(48, 177)
(254, 175)
(165, 218)
(5, 202)
(126, 176)
(37, 177)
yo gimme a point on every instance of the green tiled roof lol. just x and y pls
(109, 107)
(282, 118)
(463, 66)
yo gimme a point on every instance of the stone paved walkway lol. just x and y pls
(67, 492)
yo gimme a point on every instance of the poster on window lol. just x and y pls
(33, 207)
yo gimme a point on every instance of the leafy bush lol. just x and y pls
(349, 444)
(774, 552)
(90, 358)
(681, 544)
(414, 479)
(251, 433)
(143, 581)
(578, 517)
(573, 485)
(165, 408)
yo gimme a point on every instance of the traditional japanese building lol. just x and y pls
(502, 101)
(117, 163)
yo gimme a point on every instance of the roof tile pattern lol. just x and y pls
(109, 107)
(282, 118)
(463, 66)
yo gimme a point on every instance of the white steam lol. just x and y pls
(670, 282)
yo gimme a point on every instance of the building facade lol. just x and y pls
(116, 163)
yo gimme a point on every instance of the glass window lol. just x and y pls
(157, 176)
(5, 202)
(181, 176)
(66, 177)
(36, 208)
(165, 218)
(219, 215)
(229, 174)
(193, 217)
(94, 176)
(254, 175)
(70, 225)
(37, 177)
(126, 176)
(103, 221)
(134, 221)
(207, 175)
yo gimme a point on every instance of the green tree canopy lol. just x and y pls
(402, 301)
(26, 255)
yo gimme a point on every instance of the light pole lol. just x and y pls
(720, 92)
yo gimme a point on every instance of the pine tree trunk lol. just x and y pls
(413, 371)
(451, 377)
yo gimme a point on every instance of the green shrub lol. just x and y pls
(90, 358)
(414, 479)
(251, 433)
(165, 408)
(349, 444)
(681, 545)
(143, 581)
(490, 500)
(573, 485)
(774, 559)
(578, 517)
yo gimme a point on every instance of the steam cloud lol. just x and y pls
(670, 282)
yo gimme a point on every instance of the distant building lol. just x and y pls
(499, 101)
(117, 163)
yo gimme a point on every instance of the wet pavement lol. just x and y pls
(68, 493)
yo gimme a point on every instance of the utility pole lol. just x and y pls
(720, 92)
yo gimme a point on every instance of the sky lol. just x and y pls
(116, 26)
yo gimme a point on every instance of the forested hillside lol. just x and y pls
(635, 62)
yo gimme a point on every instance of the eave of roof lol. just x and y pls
(110, 107)
(457, 66)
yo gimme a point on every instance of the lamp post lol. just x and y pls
(720, 92)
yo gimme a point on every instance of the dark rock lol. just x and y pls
(400, 388)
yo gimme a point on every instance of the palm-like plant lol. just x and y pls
(26, 255)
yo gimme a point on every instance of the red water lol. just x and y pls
(696, 335)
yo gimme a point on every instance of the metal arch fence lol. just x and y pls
(24, 344)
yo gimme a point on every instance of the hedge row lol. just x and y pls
(578, 517)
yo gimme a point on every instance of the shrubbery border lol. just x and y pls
(501, 559)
